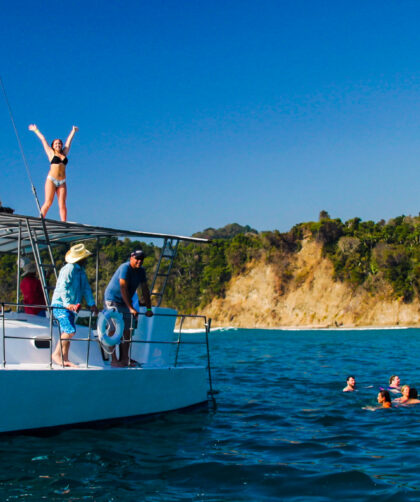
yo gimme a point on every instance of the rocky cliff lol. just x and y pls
(308, 298)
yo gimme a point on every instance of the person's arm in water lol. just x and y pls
(67, 144)
(147, 300)
(48, 150)
(126, 297)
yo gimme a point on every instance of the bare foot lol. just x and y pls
(60, 362)
(57, 360)
(118, 364)
(69, 364)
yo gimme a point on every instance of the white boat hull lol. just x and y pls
(33, 399)
(36, 395)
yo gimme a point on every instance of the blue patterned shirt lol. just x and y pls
(72, 285)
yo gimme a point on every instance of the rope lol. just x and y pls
(20, 146)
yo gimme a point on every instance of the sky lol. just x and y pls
(196, 114)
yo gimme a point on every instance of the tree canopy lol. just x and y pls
(363, 253)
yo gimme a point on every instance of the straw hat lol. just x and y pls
(29, 268)
(77, 253)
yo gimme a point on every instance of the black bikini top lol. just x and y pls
(56, 160)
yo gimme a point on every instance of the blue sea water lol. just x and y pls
(283, 430)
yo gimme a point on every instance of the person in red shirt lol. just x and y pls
(32, 292)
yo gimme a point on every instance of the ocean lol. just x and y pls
(283, 430)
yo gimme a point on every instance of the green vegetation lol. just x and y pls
(201, 272)
(364, 254)
(227, 232)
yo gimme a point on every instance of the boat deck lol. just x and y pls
(106, 367)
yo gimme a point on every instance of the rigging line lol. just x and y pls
(20, 145)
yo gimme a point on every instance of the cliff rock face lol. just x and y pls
(310, 298)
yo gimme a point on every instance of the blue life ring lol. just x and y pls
(104, 326)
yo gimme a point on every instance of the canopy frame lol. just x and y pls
(22, 235)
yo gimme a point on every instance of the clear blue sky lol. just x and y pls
(202, 113)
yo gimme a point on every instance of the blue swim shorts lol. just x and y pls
(66, 320)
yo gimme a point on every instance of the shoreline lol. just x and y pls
(301, 328)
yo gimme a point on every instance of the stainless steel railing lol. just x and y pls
(92, 338)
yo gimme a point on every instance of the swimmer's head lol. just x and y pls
(413, 393)
(351, 381)
(405, 390)
(395, 380)
(384, 397)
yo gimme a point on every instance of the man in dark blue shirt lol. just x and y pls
(119, 295)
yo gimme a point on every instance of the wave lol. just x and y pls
(358, 328)
(201, 330)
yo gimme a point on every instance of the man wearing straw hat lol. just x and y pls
(72, 286)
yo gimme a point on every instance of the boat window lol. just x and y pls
(41, 343)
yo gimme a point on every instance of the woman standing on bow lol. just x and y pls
(56, 179)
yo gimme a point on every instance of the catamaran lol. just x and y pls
(36, 393)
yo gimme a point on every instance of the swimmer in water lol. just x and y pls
(394, 384)
(405, 391)
(351, 384)
(409, 396)
(413, 396)
(384, 399)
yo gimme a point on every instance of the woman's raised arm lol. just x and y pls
(48, 150)
(67, 145)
